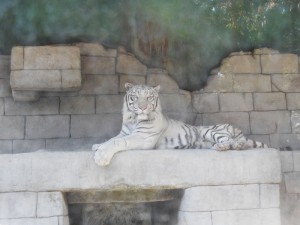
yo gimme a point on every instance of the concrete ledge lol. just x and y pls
(159, 169)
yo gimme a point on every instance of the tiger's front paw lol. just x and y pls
(103, 157)
(221, 146)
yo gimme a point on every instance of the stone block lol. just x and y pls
(70, 80)
(269, 101)
(55, 126)
(17, 205)
(183, 116)
(287, 164)
(295, 121)
(25, 96)
(286, 82)
(99, 85)
(279, 63)
(1, 106)
(262, 138)
(247, 217)
(270, 122)
(292, 182)
(198, 120)
(98, 65)
(22, 146)
(158, 71)
(127, 64)
(176, 102)
(194, 218)
(4, 66)
(95, 49)
(167, 84)
(12, 127)
(238, 119)
(290, 208)
(264, 51)
(45, 106)
(63, 220)
(77, 105)
(293, 101)
(30, 221)
(269, 196)
(134, 79)
(236, 102)
(228, 197)
(252, 83)
(5, 90)
(285, 141)
(17, 58)
(51, 57)
(241, 64)
(51, 204)
(100, 125)
(205, 102)
(296, 157)
(109, 103)
(219, 83)
(5, 147)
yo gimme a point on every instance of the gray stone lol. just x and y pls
(194, 218)
(238, 119)
(100, 84)
(262, 138)
(63, 220)
(290, 209)
(295, 121)
(183, 116)
(6, 147)
(286, 82)
(158, 71)
(235, 102)
(292, 182)
(22, 146)
(95, 49)
(279, 63)
(5, 90)
(109, 103)
(199, 120)
(228, 197)
(98, 65)
(17, 58)
(293, 101)
(181, 102)
(247, 217)
(4, 66)
(1, 106)
(285, 141)
(100, 125)
(51, 204)
(205, 102)
(270, 122)
(269, 195)
(241, 64)
(269, 101)
(44, 106)
(167, 84)
(12, 127)
(70, 80)
(287, 164)
(25, 96)
(134, 79)
(77, 105)
(219, 83)
(55, 126)
(127, 64)
(296, 157)
(30, 221)
(17, 205)
(252, 83)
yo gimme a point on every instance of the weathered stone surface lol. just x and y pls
(63, 220)
(77, 105)
(279, 63)
(1, 106)
(241, 64)
(95, 49)
(55, 126)
(44, 106)
(219, 83)
(158, 71)
(12, 127)
(247, 217)
(127, 64)
(270, 122)
(99, 84)
(224, 198)
(205, 102)
(70, 80)
(17, 205)
(25, 96)
(292, 182)
(5, 90)
(262, 138)
(269, 101)
(17, 58)
(252, 83)
(134, 79)
(51, 57)
(150, 169)
(286, 82)
(101, 125)
(30, 221)
(269, 196)
(5, 147)
(287, 164)
(194, 218)
(290, 208)
(295, 121)
(51, 204)
(238, 119)
(98, 65)
(293, 101)
(176, 102)
(185, 117)
(199, 120)
(22, 146)
(296, 157)
(109, 103)
(285, 141)
(236, 102)
(167, 84)
(265, 51)
(4, 66)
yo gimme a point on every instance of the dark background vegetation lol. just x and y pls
(187, 37)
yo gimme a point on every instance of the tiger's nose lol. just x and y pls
(142, 105)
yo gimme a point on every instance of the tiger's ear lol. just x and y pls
(157, 88)
(128, 86)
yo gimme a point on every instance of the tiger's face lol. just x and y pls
(141, 100)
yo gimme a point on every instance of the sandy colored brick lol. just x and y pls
(51, 204)
(25, 96)
(127, 64)
(219, 83)
(17, 58)
(109, 103)
(70, 80)
(12, 127)
(286, 158)
(99, 84)
(295, 121)
(205, 102)
(286, 82)
(279, 63)
(98, 65)
(293, 101)
(77, 105)
(251, 83)
(134, 79)
(176, 102)
(167, 84)
(95, 49)
(269, 101)
(241, 64)
(236, 102)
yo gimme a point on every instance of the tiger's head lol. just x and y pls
(141, 101)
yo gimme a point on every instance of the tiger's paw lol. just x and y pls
(103, 157)
(221, 146)
(95, 147)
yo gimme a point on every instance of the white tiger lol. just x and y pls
(145, 127)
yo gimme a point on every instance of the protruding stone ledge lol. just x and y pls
(151, 169)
